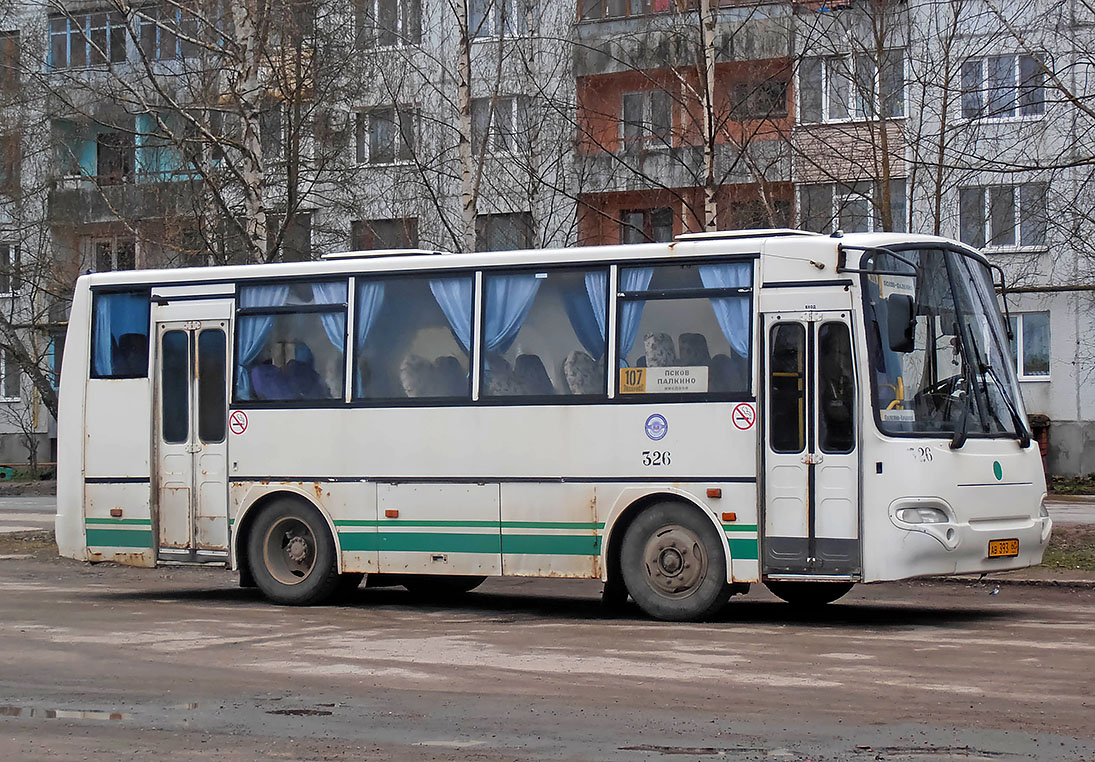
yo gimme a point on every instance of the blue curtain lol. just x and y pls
(587, 313)
(367, 304)
(732, 312)
(454, 296)
(253, 330)
(334, 323)
(509, 298)
(117, 315)
(631, 279)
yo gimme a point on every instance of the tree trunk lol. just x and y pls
(708, 17)
(463, 102)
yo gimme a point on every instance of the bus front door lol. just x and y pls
(811, 471)
(190, 411)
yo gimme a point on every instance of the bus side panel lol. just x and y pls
(118, 428)
(349, 507)
(126, 538)
(70, 429)
(550, 530)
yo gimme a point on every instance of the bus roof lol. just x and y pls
(744, 242)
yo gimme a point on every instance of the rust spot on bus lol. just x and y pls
(318, 490)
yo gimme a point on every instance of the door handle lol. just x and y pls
(813, 458)
(193, 448)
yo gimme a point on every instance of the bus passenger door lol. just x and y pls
(811, 471)
(190, 447)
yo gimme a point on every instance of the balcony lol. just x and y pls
(81, 200)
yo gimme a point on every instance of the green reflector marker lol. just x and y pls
(998, 470)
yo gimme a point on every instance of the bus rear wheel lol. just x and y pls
(809, 594)
(673, 563)
(292, 555)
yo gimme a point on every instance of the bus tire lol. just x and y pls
(292, 554)
(441, 585)
(808, 594)
(673, 563)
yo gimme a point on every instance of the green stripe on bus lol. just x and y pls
(119, 538)
(474, 524)
(119, 522)
(742, 549)
(551, 545)
(441, 542)
(740, 527)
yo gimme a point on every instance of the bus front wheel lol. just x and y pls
(292, 555)
(809, 594)
(673, 563)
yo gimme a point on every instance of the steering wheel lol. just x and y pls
(941, 400)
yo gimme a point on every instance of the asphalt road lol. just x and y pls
(109, 662)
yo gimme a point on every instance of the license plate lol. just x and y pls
(1003, 548)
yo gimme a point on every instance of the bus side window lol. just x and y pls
(119, 335)
(787, 385)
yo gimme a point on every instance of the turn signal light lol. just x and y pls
(729, 517)
(716, 492)
(391, 514)
(116, 512)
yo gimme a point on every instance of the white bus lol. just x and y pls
(678, 420)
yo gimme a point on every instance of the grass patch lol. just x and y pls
(40, 543)
(1071, 547)
(1072, 485)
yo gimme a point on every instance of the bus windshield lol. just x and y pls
(939, 355)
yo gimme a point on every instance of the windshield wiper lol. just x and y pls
(959, 437)
(1016, 419)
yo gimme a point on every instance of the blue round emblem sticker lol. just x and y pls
(657, 427)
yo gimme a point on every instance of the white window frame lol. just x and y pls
(497, 141)
(841, 195)
(13, 264)
(984, 87)
(647, 139)
(367, 17)
(114, 240)
(856, 113)
(5, 355)
(515, 18)
(363, 135)
(1020, 243)
(1019, 348)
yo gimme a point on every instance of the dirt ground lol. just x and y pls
(110, 662)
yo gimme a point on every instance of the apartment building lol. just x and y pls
(178, 134)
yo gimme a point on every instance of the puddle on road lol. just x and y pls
(301, 712)
(62, 714)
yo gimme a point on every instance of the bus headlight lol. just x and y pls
(921, 515)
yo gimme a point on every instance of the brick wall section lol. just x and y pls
(825, 153)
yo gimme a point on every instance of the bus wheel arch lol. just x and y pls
(699, 522)
(252, 514)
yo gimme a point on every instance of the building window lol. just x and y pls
(646, 118)
(503, 232)
(9, 268)
(10, 375)
(1003, 215)
(852, 207)
(590, 10)
(387, 23)
(758, 99)
(9, 62)
(646, 225)
(839, 88)
(385, 135)
(998, 87)
(167, 33)
(114, 158)
(367, 235)
(86, 39)
(1030, 344)
(113, 254)
(498, 124)
(497, 18)
(11, 159)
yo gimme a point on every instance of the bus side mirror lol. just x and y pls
(901, 319)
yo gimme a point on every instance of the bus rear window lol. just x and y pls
(119, 335)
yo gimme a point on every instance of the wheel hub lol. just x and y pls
(289, 550)
(297, 549)
(676, 563)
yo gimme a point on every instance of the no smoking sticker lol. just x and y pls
(237, 422)
(743, 416)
